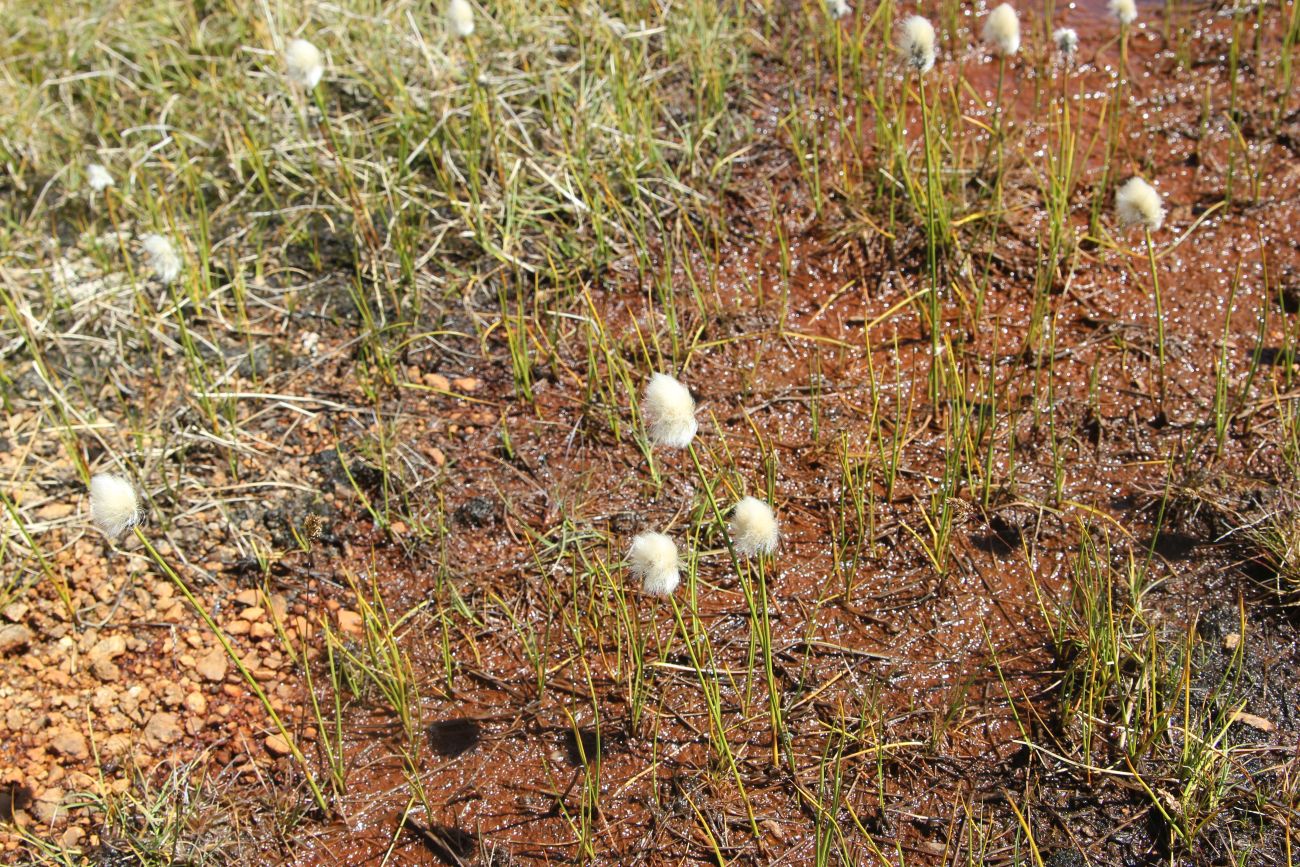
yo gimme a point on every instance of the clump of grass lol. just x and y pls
(1274, 542)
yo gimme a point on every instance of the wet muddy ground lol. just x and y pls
(951, 681)
(922, 627)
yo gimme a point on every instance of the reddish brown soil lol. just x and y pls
(943, 665)
(932, 658)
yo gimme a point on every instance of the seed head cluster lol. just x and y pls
(1067, 41)
(303, 63)
(916, 43)
(1002, 31)
(114, 506)
(1138, 204)
(653, 559)
(162, 257)
(1125, 11)
(754, 531)
(98, 178)
(669, 412)
(460, 18)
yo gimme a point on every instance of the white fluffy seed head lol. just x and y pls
(916, 42)
(669, 412)
(460, 17)
(1067, 41)
(1138, 204)
(753, 528)
(303, 63)
(1125, 11)
(1002, 31)
(164, 261)
(114, 506)
(839, 8)
(653, 559)
(98, 178)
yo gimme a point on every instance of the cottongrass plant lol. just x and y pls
(98, 178)
(114, 505)
(304, 64)
(1125, 12)
(460, 18)
(1067, 42)
(115, 508)
(1138, 204)
(839, 8)
(163, 259)
(1002, 31)
(916, 42)
(754, 531)
(653, 559)
(755, 534)
(669, 412)
(1002, 36)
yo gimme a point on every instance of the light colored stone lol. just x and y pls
(70, 743)
(349, 622)
(213, 665)
(276, 745)
(162, 729)
(48, 806)
(14, 636)
(54, 511)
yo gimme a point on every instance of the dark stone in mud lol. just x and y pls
(454, 737)
(476, 512)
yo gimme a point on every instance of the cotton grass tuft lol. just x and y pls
(1125, 11)
(839, 8)
(916, 42)
(1138, 204)
(163, 259)
(460, 16)
(98, 178)
(1002, 31)
(653, 559)
(304, 64)
(669, 412)
(114, 506)
(754, 530)
(1067, 41)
